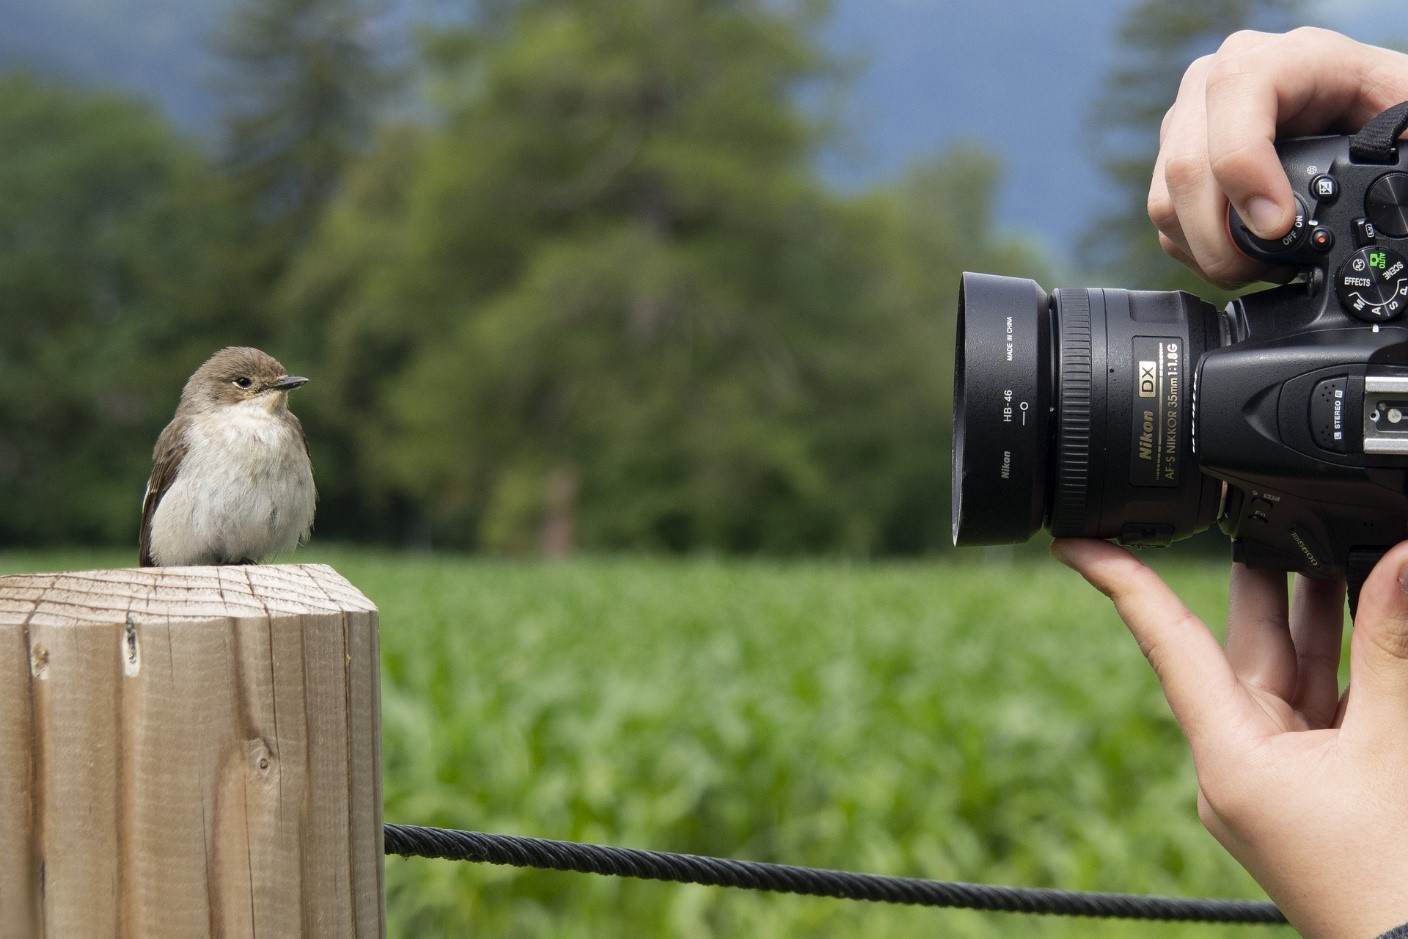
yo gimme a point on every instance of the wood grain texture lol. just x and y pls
(189, 751)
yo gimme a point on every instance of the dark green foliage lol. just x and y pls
(117, 277)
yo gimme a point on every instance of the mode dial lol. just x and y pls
(1373, 284)
(1386, 204)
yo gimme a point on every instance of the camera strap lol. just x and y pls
(1361, 562)
(1375, 141)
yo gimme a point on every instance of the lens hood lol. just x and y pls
(1001, 409)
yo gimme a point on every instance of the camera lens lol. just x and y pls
(1074, 411)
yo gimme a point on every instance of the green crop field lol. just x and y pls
(975, 721)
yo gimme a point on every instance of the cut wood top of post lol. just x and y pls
(184, 593)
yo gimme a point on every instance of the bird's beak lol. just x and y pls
(289, 382)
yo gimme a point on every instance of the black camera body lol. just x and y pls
(1305, 413)
(1147, 416)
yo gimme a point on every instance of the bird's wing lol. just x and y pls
(298, 426)
(166, 460)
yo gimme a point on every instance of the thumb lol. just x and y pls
(1378, 656)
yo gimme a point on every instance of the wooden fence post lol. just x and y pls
(189, 751)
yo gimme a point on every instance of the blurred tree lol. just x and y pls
(1157, 41)
(117, 247)
(919, 235)
(347, 311)
(606, 300)
(302, 84)
(593, 240)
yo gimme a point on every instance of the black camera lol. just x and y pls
(1148, 416)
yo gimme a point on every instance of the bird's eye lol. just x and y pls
(243, 382)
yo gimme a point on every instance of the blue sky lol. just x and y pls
(941, 72)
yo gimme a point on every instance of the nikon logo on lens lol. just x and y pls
(1103, 447)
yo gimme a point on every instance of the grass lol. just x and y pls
(983, 722)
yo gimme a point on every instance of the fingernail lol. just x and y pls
(1264, 217)
(1403, 578)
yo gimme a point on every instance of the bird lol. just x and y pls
(232, 481)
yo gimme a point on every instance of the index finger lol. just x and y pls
(1197, 679)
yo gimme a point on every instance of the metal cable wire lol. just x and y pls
(517, 851)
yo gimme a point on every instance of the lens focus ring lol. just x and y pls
(1072, 484)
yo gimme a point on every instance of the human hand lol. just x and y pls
(1308, 790)
(1215, 144)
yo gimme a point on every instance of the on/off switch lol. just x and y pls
(1327, 414)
